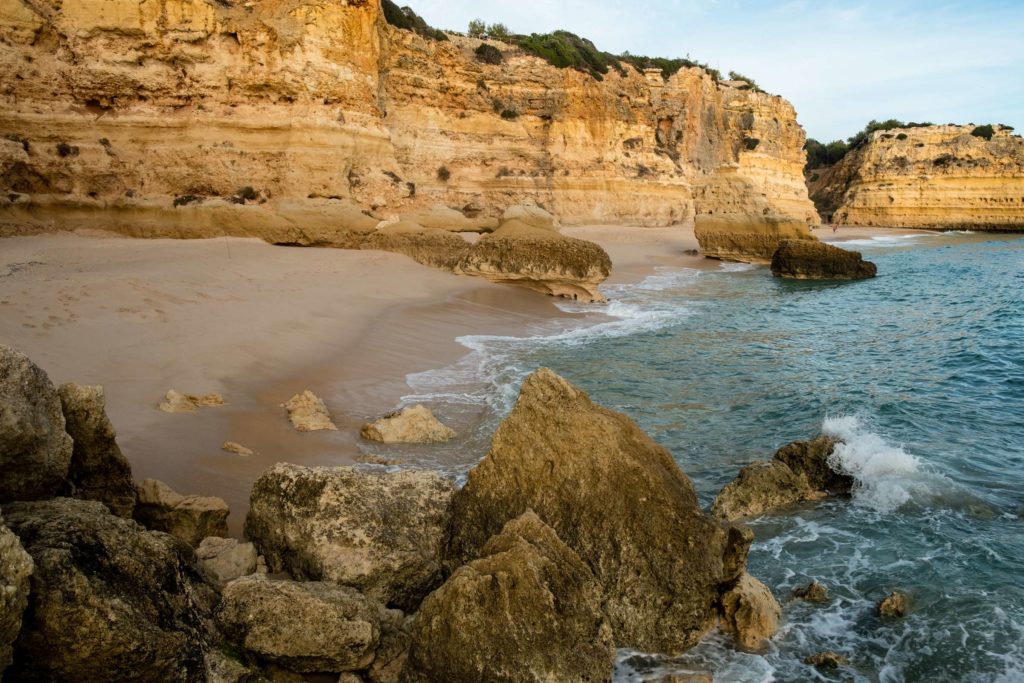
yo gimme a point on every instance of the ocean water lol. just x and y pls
(920, 371)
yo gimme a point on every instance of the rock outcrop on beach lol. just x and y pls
(15, 569)
(35, 451)
(177, 402)
(814, 260)
(308, 413)
(109, 600)
(190, 518)
(307, 627)
(953, 177)
(527, 609)
(98, 470)
(413, 424)
(287, 121)
(382, 533)
(798, 472)
(589, 473)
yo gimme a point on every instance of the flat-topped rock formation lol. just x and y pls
(953, 177)
(294, 121)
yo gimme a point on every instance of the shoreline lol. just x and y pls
(260, 323)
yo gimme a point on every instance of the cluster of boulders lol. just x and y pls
(816, 260)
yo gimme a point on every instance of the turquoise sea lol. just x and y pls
(920, 371)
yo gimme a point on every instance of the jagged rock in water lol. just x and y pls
(190, 518)
(304, 627)
(814, 260)
(380, 532)
(591, 473)
(15, 569)
(540, 259)
(308, 413)
(528, 609)
(35, 451)
(798, 472)
(226, 559)
(414, 424)
(99, 471)
(812, 592)
(750, 613)
(894, 605)
(428, 246)
(110, 601)
(827, 660)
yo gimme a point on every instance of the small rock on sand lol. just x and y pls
(177, 402)
(415, 424)
(232, 447)
(308, 413)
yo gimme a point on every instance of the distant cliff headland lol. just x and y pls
(920, 175)
(191, 118)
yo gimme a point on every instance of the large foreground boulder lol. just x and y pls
(380, 532)
(110, 601)
(798, 472)
(414, 424)
(617, 499)
(35, 451)
(305, 627)
(99, 471)
(190, 518)
(15, 569)
(815, 260)
(527, 610)
(539, 258)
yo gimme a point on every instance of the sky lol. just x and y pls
(841, 63)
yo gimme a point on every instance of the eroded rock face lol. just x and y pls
(226, 559)
(428, 246)
(109, 600)
(308, 413)
(798, 472)
(35, 451)
(527, 610)
(445, 218)
(98, 471)
(190, 518)
(590, 473)
(380, 532)
(15, 569)
(414, 424)
(539, 258)
(928, 177)
(814, 260)
(750, 613)
(304, 627)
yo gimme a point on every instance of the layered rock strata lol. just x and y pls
(927, 177)
(287, 120)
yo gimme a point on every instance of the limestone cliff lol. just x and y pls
(275, 118)
(928, 177)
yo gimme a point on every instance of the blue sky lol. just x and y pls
(840, 63)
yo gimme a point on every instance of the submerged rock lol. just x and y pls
(798, 472)
(815, 260)
(15, 569)
(591, 474)
(827, 660)
(304, 627)
(35, 451)
(894, 605)
(812, 592)
(110, 601)
(190, 518)
(414, 424)
(380, 532)
(527, 610)
(99, 471)
(177, 402)
(236, 448)
(308, 413)
(226, 559)
(750, 613)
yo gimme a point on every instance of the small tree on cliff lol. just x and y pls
(499, 32)
(477, 28)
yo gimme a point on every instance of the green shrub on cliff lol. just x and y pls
(737, 76)
(405, 18)
(488, 54)
(567, 50)
(986, 131)
(820, 154)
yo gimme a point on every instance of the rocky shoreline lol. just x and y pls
(574, 536)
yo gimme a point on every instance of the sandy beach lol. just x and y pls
(257, 324)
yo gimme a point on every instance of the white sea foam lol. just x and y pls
(886, 476)
(730, 267)
(886, 240)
